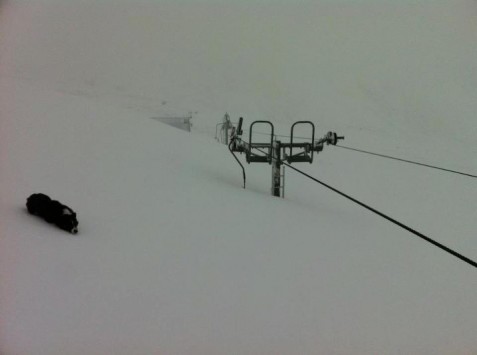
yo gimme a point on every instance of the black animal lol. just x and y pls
(53, 211)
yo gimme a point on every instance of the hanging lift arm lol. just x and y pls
(238, 161)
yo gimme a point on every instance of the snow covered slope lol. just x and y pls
(173, 256)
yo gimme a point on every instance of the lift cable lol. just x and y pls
(387, 157)
(390, 219)
(406, 161)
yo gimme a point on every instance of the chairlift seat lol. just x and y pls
(299, 159)
(302, 157)
(258, 159)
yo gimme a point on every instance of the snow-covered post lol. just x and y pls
(226, 127)
(276, 164)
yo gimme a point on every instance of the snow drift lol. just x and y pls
(172, 255)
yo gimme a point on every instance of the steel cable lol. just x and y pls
(406, 161)
(388, 218)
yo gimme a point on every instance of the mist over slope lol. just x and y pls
(395, 67)
(173, 256)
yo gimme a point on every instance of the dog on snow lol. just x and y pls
(53, 212)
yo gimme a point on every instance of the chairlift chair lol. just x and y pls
(306, 155)
(260, 158)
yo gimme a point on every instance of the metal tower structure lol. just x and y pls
(275, 152)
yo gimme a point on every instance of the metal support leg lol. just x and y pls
(276, 163)
(283, 181)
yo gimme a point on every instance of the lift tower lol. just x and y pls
(275, 152)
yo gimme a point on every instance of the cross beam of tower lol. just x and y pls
(275, 152)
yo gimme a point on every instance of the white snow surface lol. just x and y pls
(173, 256)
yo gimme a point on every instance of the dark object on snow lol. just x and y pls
(53, 211)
